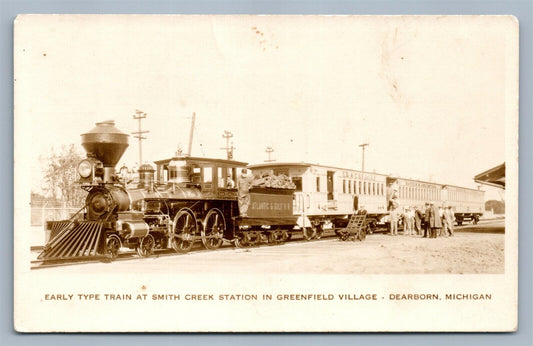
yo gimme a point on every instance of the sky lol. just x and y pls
(430, 95)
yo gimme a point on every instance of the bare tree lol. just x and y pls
(61, 174)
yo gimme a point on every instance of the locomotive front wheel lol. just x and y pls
(309, 232)
(184, 229)
(146, 246)
(213, 230)
(113, 245)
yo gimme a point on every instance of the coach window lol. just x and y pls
(221, 178)
(317, 184)
(344, 186)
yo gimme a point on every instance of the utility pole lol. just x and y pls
(363, 162)
(191, 134)
(269, 150)
(139, 115)
(229, 149)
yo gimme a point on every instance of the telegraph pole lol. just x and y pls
(229, 149)
(363, 162)
(139, 115)
(191, 134)
(269, 150)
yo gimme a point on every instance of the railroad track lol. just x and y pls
(132, 255)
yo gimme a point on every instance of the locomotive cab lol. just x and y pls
(210, 176)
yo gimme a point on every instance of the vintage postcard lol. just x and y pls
(179, 173)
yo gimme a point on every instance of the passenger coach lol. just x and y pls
(467, 204)
(326, 196)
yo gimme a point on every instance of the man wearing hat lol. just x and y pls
(425, 220)
(243, 189)
(450, 218)
(434, 220)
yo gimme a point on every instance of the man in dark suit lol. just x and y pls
(435, 222)
(425, 220)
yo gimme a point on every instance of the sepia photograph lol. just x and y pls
(244, 173)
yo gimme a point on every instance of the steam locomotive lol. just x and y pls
(193, 199)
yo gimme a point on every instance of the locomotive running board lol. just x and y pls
(74, 240)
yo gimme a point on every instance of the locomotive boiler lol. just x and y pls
(106, 222)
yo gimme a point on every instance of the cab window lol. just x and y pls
(208, 175)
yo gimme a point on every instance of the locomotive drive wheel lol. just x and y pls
(213, 230)
(146, 246)
(309, 232)
(112, 246)
(184, 230)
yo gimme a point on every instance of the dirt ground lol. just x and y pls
(470, 251)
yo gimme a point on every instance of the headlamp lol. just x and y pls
(85, 168)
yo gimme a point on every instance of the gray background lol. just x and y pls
(522, 9)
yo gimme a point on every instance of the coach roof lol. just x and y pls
(306, 164)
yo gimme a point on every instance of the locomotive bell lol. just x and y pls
(107, 144)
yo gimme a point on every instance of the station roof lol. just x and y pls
(493, 177)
